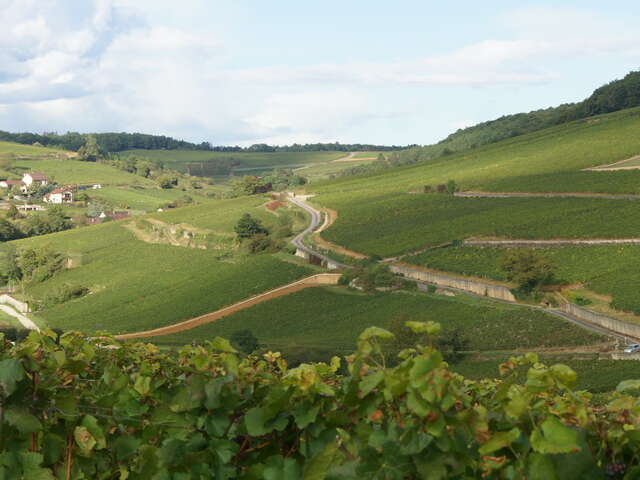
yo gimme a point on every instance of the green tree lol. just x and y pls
(248, 227)
(167, 181)
(13, 212)
(8, 231)
(245, 340)
(528, 268)
(452, 187)
(90, 151)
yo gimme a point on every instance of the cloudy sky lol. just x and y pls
(283, 71)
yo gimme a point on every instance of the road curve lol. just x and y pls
(316, 218)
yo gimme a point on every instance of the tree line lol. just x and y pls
(118, 142)
(614, 96)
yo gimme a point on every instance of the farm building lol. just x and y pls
(13, 183)
(35, 177)
(59, 195)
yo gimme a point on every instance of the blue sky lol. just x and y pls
(283, 71)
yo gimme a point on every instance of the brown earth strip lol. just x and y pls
(322, 279)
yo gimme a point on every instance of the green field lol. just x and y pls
(369, 154)
(406, 222)
(67, 171)
(137, 285)
(177, 159)
(328, 321)
(142, 198)
(608, 270)
(29, 150)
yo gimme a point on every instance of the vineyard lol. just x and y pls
(409, 222)
(288, 325)
(79, 409)
(608, 270)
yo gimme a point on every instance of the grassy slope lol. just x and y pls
(177, 158)
(339, 315)
(67, 171)
(136, 285)
(30, 150)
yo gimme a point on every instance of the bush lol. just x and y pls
(64, 293)
(528, 268)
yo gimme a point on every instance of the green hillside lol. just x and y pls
(555, 156)
(137, 285)
(206, 163)
(614, 96)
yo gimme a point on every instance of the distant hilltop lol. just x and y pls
(118, 142)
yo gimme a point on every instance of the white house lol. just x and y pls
(59, 195)
(39, 179)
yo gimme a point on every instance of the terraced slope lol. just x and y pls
(378, 216)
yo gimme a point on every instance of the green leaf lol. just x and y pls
(142, 385)
(368, 383)
(84, 439)
(125, 447)
(430, 328)
(304, 415)
(91, 424)
(11, 372)
(222, 345)
(500, 440)
(540, 467)
(565, 374)
(254, 420)
(375, 332)
(554, 437)
(423, 365)
(281, 469)
(20, 418)
(628, 385)
(318, 466)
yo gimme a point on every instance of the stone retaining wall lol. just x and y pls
(550, 243)
(619, 326)
(18, 305)
(440, 279)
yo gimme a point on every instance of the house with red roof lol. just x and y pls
(40, 179)
(59, 195)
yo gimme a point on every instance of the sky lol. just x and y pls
(238, 72)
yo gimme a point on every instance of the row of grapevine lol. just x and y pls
(75, 408)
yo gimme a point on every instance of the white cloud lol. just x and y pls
(106, 67)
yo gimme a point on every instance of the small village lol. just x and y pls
(36, 192)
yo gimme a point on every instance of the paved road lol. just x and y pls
(26, 322)
(315, 222)
(316, 218)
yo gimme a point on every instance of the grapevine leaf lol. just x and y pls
(540, 467)
(554, 437)
(84, 439)
(222, 345)
(11, 372)
(500, 440)
(628, 385)
(304, 415)
(368, 383)
(91, 424)
(125, 447)
(375, 332)
(430, 328)
(21, 419)
(281, 469)
(318, 466)
(565, 374)
(254, 420)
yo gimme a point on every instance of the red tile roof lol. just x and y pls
(37, 176)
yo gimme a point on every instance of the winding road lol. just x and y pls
(316, 218)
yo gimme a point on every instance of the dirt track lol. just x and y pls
(321, 279)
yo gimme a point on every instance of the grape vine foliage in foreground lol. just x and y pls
(77, 408)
